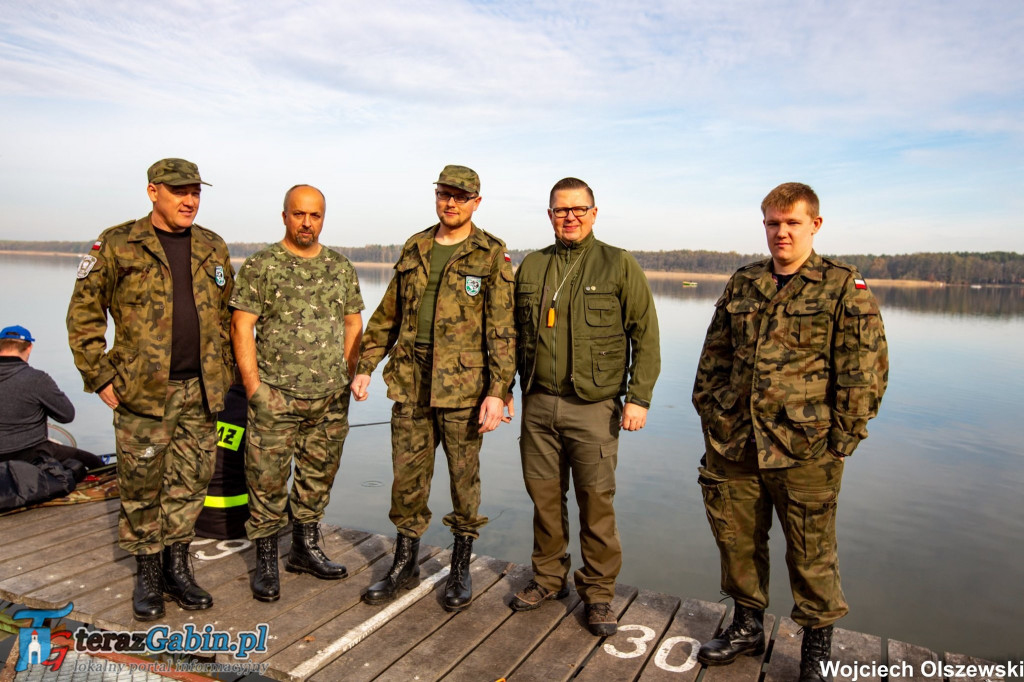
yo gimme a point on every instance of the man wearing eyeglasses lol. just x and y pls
(446, 320)
(587, 336)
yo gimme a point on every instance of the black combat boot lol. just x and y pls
(179, 584)
(815, 649)
(148, 595)
(744, 636)
(307, 557)
(266, 581)
(405, 572)
(459, 590)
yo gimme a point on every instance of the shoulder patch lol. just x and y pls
(85, 266)
(859, 283)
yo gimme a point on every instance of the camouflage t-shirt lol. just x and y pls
(301, 304)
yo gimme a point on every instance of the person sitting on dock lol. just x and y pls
(30, 397)
(587, 339)
(446, 322)
(165, 282)
(794, 365)
(302, 301)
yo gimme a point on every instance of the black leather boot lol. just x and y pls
(148, 595)
(266, 581)
(405, 572)
(307, 557)
(179, 583)
(744, 636)
(815, 649)
(459, 590)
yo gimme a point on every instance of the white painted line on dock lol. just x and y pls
(368, 627)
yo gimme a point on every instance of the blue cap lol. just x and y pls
(16, 332)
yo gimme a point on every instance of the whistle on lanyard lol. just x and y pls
(551, 317)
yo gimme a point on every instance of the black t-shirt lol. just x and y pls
(185, 362)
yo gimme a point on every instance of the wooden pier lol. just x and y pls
(321, 630)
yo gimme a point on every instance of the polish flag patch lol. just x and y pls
(508, 258)
(96, 246)
(860, 284)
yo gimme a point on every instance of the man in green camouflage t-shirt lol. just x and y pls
(794, 365)
(302, 301)
(446, 320)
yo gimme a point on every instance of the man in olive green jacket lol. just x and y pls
(446, 319)
(587, 335)
(794, 365)
(165, 282)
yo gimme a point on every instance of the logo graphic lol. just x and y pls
(34, 641)
(218, 275)
(472, 285)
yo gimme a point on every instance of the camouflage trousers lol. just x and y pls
(283, 428)
(563, 435)
(739, 500)
(416, 429)
(163, 468)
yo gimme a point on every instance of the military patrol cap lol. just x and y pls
(175, 172)
(464, 178)
(16, 332)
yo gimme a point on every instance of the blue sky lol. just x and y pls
(907, 117)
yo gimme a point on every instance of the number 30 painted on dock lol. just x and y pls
(660, 658)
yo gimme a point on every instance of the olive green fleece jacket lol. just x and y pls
(613, 324)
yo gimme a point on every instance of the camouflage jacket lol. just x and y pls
(615, 343)
(792, 373)
(127, 275)
(474, 333)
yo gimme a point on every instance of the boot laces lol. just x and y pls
(151, 575)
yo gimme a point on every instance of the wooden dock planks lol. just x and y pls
(321, 630)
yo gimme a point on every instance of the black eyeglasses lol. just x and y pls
(578, 211)
(443, 197)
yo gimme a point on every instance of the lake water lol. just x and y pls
(931, 518)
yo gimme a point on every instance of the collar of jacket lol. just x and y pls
(761, 273)
(143, 231)
(561, 248)
(425, 239)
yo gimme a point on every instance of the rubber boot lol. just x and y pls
(404, 573)
(458, 592)
(815, 649)
(179, 583)
(307, 557)
(266, 581)
(744, 636)
(148, 595)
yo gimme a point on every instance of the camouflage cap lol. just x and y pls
(464, 178)
(175, 172)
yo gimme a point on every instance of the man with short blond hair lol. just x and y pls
(794, 365)
(165, 282)
(296, 326)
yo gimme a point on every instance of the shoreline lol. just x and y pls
(651, 274)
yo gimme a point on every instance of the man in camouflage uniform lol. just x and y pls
(587, 337)
(794, 365)
(302, 300)
(446, 319)
(165, 282)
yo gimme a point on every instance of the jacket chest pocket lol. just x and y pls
(743, 321)
(135, 282)
(405, 272)
(806, 323)
(527, 296)
(601, 307)
(471, 282)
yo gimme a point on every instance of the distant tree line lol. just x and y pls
(996, 267)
